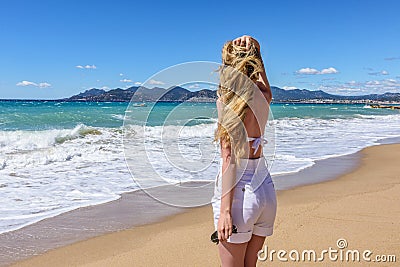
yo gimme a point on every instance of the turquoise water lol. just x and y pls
(37, 115)
(56, 157)
(325, 111)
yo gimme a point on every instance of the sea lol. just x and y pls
(59, 156)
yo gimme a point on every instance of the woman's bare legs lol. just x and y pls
(232, 255)
(254, 245)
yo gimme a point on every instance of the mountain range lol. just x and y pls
(143, 94)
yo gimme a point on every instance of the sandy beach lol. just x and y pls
(361, 207)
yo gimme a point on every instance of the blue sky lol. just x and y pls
(54, 49)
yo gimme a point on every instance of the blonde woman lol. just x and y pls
(244, 201)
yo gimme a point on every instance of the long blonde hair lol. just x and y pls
(240, 69)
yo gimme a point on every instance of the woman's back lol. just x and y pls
(256, 120)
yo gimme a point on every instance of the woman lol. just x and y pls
(244, 194)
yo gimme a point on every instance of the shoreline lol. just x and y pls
(285, 179)
(121, 214)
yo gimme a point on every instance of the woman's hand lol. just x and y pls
(245, 41)
(224, 225)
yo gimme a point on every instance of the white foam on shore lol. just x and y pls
(45, 173)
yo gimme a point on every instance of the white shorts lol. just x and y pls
(254, 200)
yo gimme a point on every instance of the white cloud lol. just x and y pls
(330, 70)
(307, 71)
(121, 74)
(44, 85)
(194, 86)
(383, 72)
(86, 67)
(125, 81)
(372, 83)
(353, 83)
(138, 83)
(289, 87)
(390, 82)
(155, 82)
(28, 83)
(105, 88)
(311, 71)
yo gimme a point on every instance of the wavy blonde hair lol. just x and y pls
(240, 69)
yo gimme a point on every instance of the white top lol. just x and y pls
(258, 141)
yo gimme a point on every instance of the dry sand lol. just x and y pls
(362, 206)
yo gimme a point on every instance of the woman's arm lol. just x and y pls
(224, 227)
(263, 84)
(228, 180)
(262, 81)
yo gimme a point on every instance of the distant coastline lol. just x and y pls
(179, 94)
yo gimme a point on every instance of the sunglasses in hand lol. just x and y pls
(214, 236)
